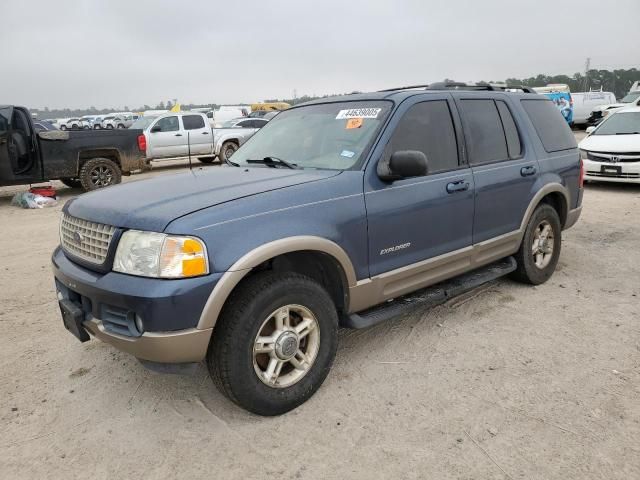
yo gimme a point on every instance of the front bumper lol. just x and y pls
(621, 172)
(169, 310)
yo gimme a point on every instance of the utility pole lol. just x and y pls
(587, 65)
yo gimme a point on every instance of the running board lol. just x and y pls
(431, 296)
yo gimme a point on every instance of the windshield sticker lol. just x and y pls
(354, 123)
(358, 113)
(347, 153)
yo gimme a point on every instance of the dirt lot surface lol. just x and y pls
(510, 381)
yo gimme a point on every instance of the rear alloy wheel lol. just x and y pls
(227, 150)
(120, 125)
(98, 173)
(63, 127)
(109, 127)
(274, 342)
(540, 248)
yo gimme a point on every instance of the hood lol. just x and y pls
(611, 143)
(152, 204)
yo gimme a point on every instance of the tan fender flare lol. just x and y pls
(261, 254)
(537, 198)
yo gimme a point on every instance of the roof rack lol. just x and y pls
(464, 86)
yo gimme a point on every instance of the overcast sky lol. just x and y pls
(64, 53)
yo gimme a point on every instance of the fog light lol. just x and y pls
(139, 324)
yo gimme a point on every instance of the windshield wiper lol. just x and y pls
(273, 161)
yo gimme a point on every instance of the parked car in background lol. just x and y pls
(611, 151)
(43, 126)
(120, 121)
(585, 102)
(270, 115)
(77, 158)
(342, 212)
(632, 99)
(70, 123)
(233, 134)
(172, 135)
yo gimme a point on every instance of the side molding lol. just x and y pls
(255, 257)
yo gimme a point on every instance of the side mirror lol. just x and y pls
(590, 130)
(156, 128)
(403, 164)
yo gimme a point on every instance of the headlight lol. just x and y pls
(584, 154)
(150, 254)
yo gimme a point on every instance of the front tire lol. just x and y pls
(63, 127)
(540, 248)
(274, 343)
(98, 173)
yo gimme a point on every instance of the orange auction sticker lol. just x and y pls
(354, 123)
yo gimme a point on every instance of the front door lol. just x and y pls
(167, 139)
(416, 219)
(504, 172)
(18, 153)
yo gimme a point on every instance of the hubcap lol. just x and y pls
(542, 248)
(101, 176)
(286, 346)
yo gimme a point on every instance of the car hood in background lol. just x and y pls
(611, 143)
(152, 204)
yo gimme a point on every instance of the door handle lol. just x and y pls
(527, 171)
(459, 186)
(205, 133)
(178, 134)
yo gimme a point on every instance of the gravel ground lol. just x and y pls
(509, 381)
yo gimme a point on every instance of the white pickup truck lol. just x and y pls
(174, 135)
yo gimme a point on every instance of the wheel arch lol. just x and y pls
(112, 154)
(317, 257)
(555, 194)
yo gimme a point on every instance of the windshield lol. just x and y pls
(622, 123)
(230, 123)
(630, 97)
(332, 136)
(143, 122)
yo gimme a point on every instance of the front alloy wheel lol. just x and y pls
(274, 342)
(286, 346)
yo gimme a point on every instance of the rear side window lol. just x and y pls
(428, 127)
(510, 130)
(192, 122)
(484, 131)
(550, 125)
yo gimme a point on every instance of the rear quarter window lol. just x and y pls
(550, 125)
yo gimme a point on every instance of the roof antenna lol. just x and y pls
(189, 147)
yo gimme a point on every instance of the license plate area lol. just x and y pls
(72, 317)
(611, 169)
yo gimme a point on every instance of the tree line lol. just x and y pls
(617, 81)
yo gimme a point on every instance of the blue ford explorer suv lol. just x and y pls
(328, 213)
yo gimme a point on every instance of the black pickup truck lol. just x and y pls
(87, 159)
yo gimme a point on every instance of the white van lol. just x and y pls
(226, 113)
(586, 102)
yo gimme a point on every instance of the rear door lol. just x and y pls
(166, 138)
(504, 171)
(198, 134)
(415, 219)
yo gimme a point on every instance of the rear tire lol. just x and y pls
(227, 150)
(98, 173)
(63, 127)
(540, 248)
(248, 341)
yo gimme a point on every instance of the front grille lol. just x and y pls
(86, 240)
(607, 157)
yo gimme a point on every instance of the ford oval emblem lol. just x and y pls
(77, 237)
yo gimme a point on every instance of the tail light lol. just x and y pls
(581, 177)
(142, 143)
